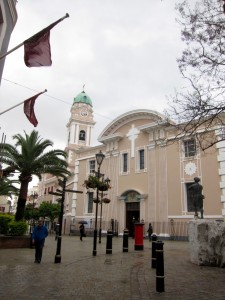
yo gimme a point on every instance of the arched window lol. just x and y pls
(82, 135)
(131, 196)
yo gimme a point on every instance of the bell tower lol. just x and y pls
(79, 134)
(80, 125)
(81, 122)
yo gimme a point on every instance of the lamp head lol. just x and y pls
(107, 180)
(99, 158)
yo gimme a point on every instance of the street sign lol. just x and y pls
(73, 191)
(53, 193)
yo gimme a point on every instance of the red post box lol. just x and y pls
(138, 236)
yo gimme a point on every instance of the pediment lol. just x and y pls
(143, 117)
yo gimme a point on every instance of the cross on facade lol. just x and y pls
(132, 135)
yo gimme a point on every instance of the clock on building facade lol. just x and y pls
(190, 168)
(84, 113)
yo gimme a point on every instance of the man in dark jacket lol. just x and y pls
(38, 238)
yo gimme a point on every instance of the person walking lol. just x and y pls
(150, 231)
(38, 238)
(81, 231)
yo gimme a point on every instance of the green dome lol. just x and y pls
(82, 98)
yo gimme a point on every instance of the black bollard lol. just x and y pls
(109, 242)
(154, 239)
(125, 240)
(159, 267)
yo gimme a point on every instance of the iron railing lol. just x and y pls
(173, 230)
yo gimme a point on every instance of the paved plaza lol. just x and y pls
(119, 275)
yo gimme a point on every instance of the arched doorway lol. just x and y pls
(132, 216)
(132, 210)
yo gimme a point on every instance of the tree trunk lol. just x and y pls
(20, 209)
(22, 198)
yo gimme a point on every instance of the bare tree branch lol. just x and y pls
(199, 108)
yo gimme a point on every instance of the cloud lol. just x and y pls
(123, 51)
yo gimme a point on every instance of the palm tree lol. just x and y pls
(7, 188)
(29, 157)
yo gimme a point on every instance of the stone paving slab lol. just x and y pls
(106, 276)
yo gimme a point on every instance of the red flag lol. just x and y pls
(37, 52)
(37, 49)
(28, 109)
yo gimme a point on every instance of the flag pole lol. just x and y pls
(10, 51)
(21, 44)
(1, 113)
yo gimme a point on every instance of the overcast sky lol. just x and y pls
(124, 51)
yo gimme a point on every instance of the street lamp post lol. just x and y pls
(103, 200)
(62, 184)
(59, 240)
(99, 158)
(100, 225)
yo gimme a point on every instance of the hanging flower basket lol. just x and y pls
(96, 201)
(102, 187)
(91, 182)
(94, 182)
(106, 200)
(90, 185)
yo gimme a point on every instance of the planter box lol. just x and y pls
(8, 242)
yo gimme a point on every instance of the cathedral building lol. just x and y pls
(149, 175)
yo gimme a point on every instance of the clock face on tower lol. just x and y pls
(190, 168)
(84, 113)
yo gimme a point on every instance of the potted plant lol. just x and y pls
(106, 200)
(94, 182)
(96, 201)
(91, 182)
(103, 186)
